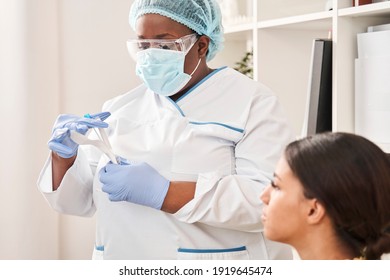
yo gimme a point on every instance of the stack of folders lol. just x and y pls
(372, 85)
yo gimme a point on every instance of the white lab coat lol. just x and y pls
(226, 134)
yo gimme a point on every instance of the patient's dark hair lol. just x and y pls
(350, 176)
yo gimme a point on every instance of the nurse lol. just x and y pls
(330, 198)
(196, 148)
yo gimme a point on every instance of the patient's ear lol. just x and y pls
(316, 212)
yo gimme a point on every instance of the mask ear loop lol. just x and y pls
(200, 59)
(196, 68)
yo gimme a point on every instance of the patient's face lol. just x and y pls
(285, 209)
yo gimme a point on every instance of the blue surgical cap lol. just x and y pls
(202, 16)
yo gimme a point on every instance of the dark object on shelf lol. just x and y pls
(319, 102)
(362, 2)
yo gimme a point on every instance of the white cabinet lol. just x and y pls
(281, 34)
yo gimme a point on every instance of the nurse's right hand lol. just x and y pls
(60, 141)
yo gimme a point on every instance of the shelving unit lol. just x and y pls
(281, 37)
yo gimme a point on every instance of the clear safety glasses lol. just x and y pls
(183, 44)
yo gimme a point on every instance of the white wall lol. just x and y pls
(28, 102)
(65, 56)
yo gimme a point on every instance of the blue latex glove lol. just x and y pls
(60, 141)
(136, 183)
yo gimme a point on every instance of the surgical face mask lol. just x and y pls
(162, 68)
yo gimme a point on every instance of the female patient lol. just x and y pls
(330, 198)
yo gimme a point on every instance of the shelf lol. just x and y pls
(243, 27)
(376, 9)
(281, 37)
(320, 20)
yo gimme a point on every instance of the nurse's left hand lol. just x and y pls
(136, 183)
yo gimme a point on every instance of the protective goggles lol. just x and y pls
(183, 44)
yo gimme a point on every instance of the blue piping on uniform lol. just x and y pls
(201, 82)
(199, 251)
(221, 124)
(176, 106)
(192, 89)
